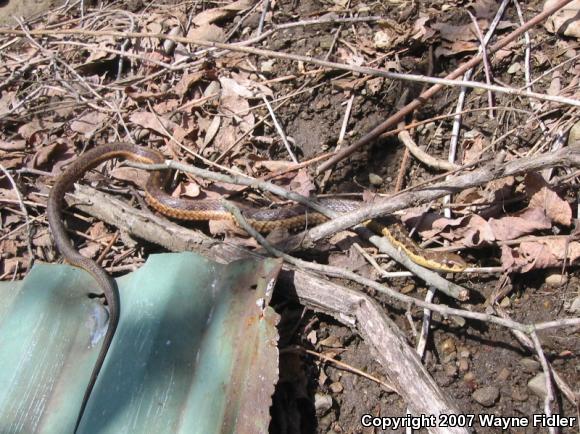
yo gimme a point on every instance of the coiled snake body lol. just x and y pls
(157, 198)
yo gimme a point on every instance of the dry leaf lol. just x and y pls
(351, 261)
(131, 174)
(89, 123)
(187, 81)
(153, 122)
(31, 128)
(526, 222)
(302, 183)
(212, 130)
(484, 8)
(45, 154)
(91, 250)
(539, 254)
(189, 190)
(557, 209)
(42, 239)
(274, 165)
(217, 14)
(140, 95)
(12, 145)
(477, 232)
(8, 193)
(207, 32)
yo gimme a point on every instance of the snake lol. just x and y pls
(263, 220)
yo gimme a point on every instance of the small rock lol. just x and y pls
(464, 353)
(382, 39)
(486, 396)
(336, 387)
(325, 421)
(322, 403)
(503, 375)
(267, 65)
(556, 280)
(375, 179)
(321, 104)
(459, 321)
(451, 371)
(530, 365)
(469, 380)
(448, 346)
(469, 376)
(519, 395)
(575, 306)
(538, 385)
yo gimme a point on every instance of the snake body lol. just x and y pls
(262, 219)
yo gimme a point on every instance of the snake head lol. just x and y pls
(451, 262)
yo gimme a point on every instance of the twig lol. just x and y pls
(340, 364)
(426, 323)
(24, 212)
(265, 7)
(280, 130)
(385, 206)
(546, 368)
(423, 156)
(483, 45)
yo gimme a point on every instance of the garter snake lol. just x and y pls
(156, 196)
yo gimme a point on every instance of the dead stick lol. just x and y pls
(433, 90)
(565, 157)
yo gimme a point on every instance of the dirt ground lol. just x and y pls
(480, 367)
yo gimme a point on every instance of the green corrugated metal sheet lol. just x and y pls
(195, 350)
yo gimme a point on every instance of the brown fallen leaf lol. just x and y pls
(187, 81)
(12, 145)
(28, 130)
(207, 32)
(302, 183)
(525, 222)
(350, 260)
(136, 176)
(42, 239)
(539, 254)
(430, 224)
(274, 165)
(564, 21)
(187, 190)
(46, 153)
(141, 95)
(477, 232)
(153, 122)
(88, 123)
(557, 209)
(217, 14)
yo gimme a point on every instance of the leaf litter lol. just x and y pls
(211, 104)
